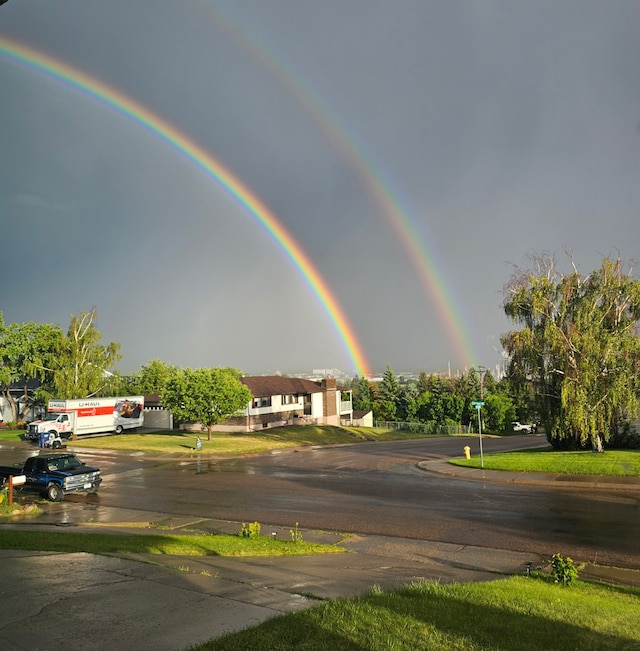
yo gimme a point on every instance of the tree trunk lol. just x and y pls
(26, 401)
(596, 443)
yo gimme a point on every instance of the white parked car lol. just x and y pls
(519, 427)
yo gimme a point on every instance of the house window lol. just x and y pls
(262, 402)
(289, 400)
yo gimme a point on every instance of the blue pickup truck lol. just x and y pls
(54, 475)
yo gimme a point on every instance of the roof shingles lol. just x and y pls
(273, 385)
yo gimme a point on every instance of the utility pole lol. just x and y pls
(478, 405)
(482, 370)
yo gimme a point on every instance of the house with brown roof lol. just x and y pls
(363, 418)
(279, 401)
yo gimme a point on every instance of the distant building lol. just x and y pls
(327, 372)
(363, 418)
(23, 394)
(278, 401)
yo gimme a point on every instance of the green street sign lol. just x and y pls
(477, 404)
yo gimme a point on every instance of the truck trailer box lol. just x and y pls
(66, 418)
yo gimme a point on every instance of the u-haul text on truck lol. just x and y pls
(89, 416)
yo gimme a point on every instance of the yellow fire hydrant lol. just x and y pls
(467, 452)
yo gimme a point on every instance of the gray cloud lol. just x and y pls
(499, 129)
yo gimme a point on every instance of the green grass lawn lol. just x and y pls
(231, 444)
(519, 614)
(619, 463)
(148, 543)
(11, 435)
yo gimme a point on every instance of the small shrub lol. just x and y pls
(563, 569)
(251, 530)
(295, 533)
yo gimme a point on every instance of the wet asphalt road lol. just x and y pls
(373, 488)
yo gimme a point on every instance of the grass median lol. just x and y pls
(614, 463)
(154, 543)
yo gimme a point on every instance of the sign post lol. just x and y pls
(15, 480)
(478, 404)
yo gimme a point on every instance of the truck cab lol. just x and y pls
(58, 424)
(55, 475)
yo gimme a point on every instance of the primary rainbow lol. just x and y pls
(61, 72)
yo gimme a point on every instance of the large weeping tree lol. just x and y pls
(578, 348)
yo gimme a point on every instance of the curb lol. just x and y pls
(445, 469)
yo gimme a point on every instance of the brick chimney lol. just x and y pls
(329, 403)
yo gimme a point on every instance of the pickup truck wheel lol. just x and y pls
(119, 429)
(55, 493)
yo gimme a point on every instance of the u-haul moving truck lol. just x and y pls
(89, 416)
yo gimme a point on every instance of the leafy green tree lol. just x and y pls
(362, 399)
(442, 407)
(387, 400)
(80, 364)
(498, 412)
(22, 348)
(467, 386)
(408, 393)
(424, 408)
(115, 384)
(453, 407)
(488, 384)
(389, 388)
(384, 410)
(423, 383)
(578, 347)
(521, 392)
(450, 405)
(205, 395)
(151, 378)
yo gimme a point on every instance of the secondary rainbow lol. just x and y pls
(55, 69)
(420, 248)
